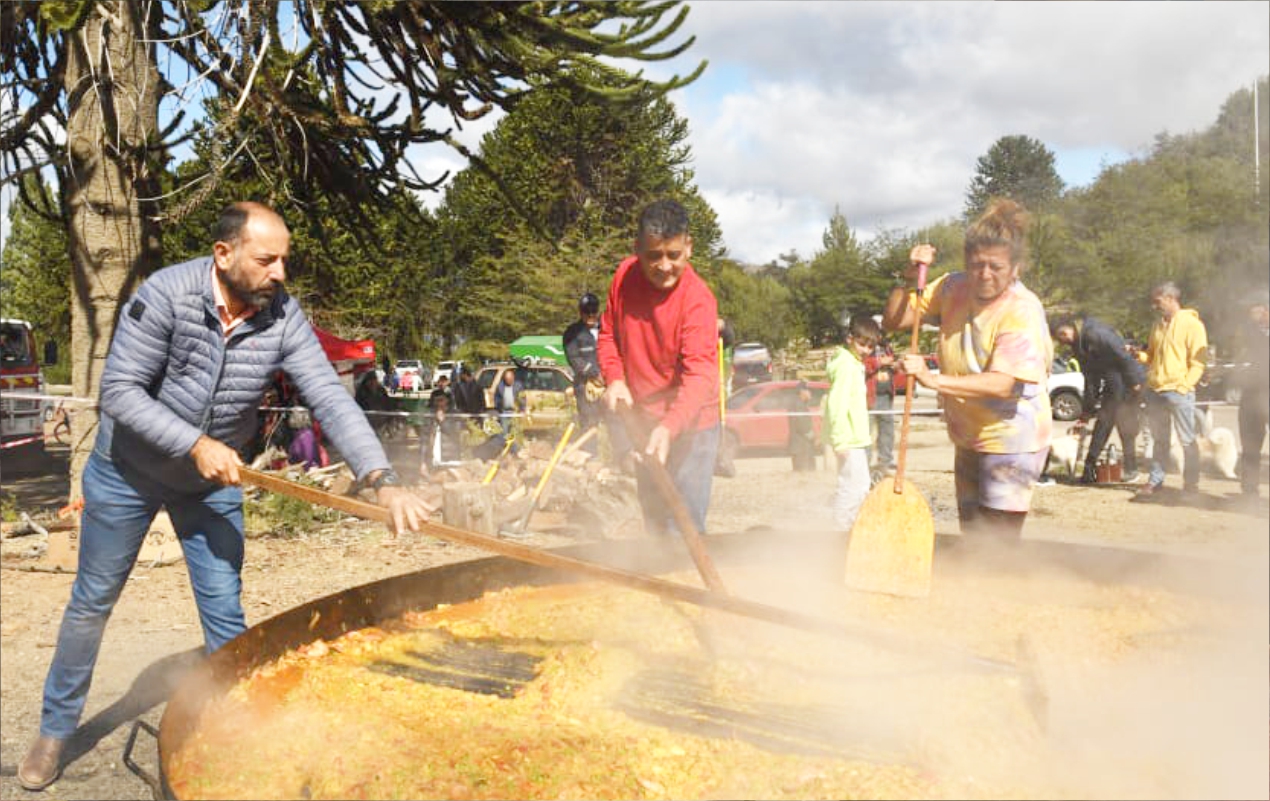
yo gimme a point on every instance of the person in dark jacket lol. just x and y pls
(469, 398)
(193, 352)
(440, 437)
(802, 434)
(509, 400)
(579, 348)
(1113, 381)
(1254, 399)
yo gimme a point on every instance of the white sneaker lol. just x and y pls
(1045, 481)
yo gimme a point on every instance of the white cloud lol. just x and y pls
(883, 107)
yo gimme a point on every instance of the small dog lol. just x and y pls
(1063, 452)
(1218, 450)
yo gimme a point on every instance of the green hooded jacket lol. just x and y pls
(846, 406)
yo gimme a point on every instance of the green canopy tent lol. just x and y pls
(540, 348)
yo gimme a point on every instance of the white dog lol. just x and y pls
(1218, 449)
(1063, 452)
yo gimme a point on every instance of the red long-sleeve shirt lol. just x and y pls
(664, 345)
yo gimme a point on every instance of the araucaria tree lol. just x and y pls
(1017, 167)
(330, 94)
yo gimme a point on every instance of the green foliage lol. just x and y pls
(350, 289)
(35, 281)
(8, 507)
(1017, 167)
(1187, 212)
(271, 514)
(577, 171)
(841, 279)
(757, 304)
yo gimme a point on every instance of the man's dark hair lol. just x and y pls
(864, 328)
(1061, 321)
(727, 333)
(663, 219)
(229, 227)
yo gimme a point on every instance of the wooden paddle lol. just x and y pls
(638, 432)
(893, 540)
(856, 632)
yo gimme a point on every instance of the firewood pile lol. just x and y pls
(582, 494)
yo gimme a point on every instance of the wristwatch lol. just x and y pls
(386, 478)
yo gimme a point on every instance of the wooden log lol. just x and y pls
(469, 505)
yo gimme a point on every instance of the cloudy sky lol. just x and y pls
(882, 108)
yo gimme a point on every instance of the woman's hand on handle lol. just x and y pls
(918, 256)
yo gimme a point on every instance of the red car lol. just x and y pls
(757, 421)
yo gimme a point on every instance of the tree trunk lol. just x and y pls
(112, 86)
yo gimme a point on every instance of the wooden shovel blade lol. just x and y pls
(892, 542)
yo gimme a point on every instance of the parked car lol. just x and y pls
(413, 375)
(757, 423)
(751, 364)
(1067, 391)
(548, 391)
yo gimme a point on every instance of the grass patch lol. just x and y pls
(8, 507)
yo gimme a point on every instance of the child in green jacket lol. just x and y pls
(847, 417)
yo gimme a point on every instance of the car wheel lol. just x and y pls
(1066, 405)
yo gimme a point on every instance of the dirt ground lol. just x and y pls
(155, 631)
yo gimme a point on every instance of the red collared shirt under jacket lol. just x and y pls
(665, 345)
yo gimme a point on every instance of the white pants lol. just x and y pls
(853, 485)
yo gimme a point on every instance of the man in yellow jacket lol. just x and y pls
(1176, 352)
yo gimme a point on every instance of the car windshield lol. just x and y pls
(13, 346)
(750, 350)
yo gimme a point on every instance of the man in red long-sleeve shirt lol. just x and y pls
(658, 352)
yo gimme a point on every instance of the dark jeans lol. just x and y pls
(1123, 417)
(118, 510)
(691, 467)
(1254, 414)
(589, 414)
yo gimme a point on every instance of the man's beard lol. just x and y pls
(257, 298)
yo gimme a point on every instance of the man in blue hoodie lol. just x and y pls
(193, 353)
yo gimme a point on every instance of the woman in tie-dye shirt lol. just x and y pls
(994, 354)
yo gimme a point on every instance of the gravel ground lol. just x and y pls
(155, 632)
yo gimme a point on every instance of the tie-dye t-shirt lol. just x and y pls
(1008, 335)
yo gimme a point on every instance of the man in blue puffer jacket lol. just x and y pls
(191, 358)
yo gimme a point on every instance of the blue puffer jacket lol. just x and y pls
(171, 376)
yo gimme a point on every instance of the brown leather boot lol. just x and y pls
(42, 764)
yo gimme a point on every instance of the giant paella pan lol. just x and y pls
(497, 679)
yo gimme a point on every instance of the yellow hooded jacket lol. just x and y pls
(1176, 353)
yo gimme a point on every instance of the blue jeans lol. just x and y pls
(886, 430)
(1164, 408)
(691, 467)
(118, 509)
